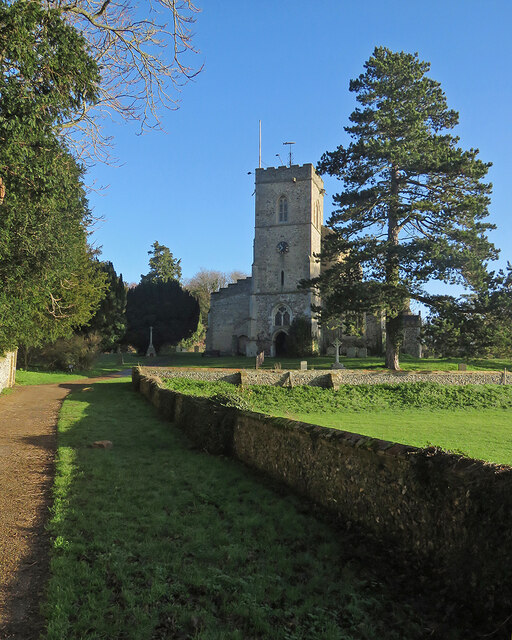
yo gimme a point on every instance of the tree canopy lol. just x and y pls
(144, 56)
(109, 321)
(478, 324)
(61, 61)
(172, 312)
(50, 283)
(163, 265)
(413, 203)
(208, 281)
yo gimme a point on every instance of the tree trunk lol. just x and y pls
(393, 339)
(394, 312)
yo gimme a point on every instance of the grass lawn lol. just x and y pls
(407, 363)
(485, 434)
(106, 363)
(153, 539)
(475, 419)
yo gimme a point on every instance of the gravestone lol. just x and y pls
(260, 358)
(303, 365)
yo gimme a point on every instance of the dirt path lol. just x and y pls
(28, 420)
(28, 417)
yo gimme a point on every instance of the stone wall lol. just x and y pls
(330, 379)
(228, 317)
(450, 513)
(8, 369)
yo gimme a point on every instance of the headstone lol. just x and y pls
(351, 352)
(462, 366)
(362, 352)
(303, 365)
(260, 358)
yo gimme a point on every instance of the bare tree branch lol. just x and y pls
(144, 61)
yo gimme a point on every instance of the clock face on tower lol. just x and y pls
(282, 247)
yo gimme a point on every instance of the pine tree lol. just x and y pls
(163, 265)
(413, 203)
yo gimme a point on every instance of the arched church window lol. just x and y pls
(282, 317)
(283, 209)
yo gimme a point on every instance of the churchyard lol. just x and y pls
(201, 546)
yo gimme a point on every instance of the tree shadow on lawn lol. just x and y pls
(154, 539)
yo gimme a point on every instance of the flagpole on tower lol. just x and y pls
(259, 163)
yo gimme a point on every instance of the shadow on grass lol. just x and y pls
(154, 539)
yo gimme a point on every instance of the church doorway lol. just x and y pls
(280, 344)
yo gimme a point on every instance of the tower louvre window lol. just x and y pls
(282, 278)
(283, 209)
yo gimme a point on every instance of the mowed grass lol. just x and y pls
(483, 434)
(475, 420)
(407, 363)
(106, 364)
(153, 539)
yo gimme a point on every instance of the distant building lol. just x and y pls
(255, 313)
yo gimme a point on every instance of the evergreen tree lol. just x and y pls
(479, 324)
(163, 265)
(413, 204)
(109, 321)
(172, 312)
(49, 283)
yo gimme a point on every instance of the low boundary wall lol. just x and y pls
(330, 378)
(8, 369)
(453, 514)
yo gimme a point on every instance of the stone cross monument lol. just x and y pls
(151, 353)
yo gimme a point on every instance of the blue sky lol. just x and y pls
(289, 63)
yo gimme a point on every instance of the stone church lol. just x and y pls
(255, 313)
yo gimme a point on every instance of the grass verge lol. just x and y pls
(106, 364)
(152, 539)
(475, 420)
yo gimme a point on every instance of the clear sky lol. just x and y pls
(288, 63)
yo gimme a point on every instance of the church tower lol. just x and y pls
(288, 233)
